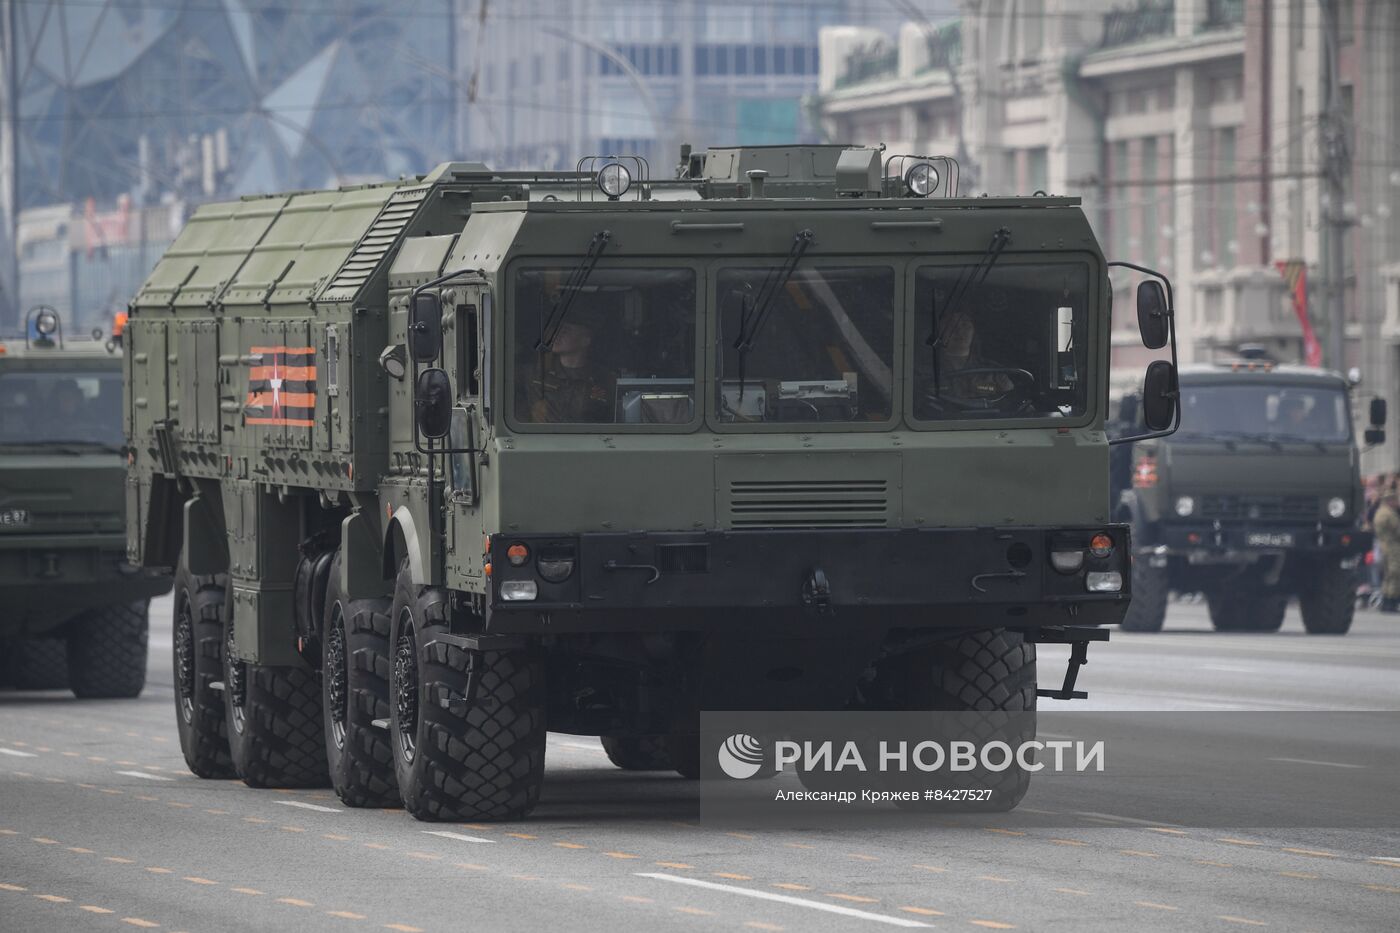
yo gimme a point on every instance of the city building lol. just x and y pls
(1212, 139)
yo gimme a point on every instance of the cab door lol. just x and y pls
(465, 334)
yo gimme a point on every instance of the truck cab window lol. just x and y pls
(1011, 344)
(623, 354)
(822, 349)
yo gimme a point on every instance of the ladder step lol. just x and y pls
(380, 724)
(216, 685)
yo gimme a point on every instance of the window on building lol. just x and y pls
(780, 60)
(1032, 28)
(1223, 197)
(1150, 193)
(1118, 200)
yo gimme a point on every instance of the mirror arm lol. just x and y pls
(1171, 342)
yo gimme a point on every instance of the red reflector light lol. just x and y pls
(517, 554)
(1194, 538)
(1101, 545)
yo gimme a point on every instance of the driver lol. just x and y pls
(962, 370)
(568, 386)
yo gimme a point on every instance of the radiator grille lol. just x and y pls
(1260, 508)
(831, 503)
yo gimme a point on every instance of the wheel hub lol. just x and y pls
(337, 678)
(235, 681)
(184, 659)
(406, 686)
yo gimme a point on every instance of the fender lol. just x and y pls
(205, 541)
(402, 539)
(362, 548)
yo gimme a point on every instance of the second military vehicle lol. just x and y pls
(1256, 499)
(497, 453)
(73, 612)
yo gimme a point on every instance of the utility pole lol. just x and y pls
(1336, 166)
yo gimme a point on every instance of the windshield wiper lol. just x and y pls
(975, 274)
(550, 324)
(753, 317)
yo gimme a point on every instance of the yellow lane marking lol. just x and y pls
(1384, 888)
(96, 910)
(798, 845)
(1172, 832)
(5, 886)
(179, 806)
(1004, 832)
(620, 855)
(124, 763)
(527, 877)
(336, 836)
(96, 758)
(760, 925)
(481, 826)
(1245, 920)
(150, 799)
(931, 868)
(195, 879)
(425, 856)
(470, 866)
(402, 928)
(375, 845)
(9, 832)
(1155, 906)
(251, 891)
(696, 911)
(674, 865)
(1312, 852)
(993, 924)
(44, 840)
(741, 835)
(993, 878)
(570, 845)
(295, 902)
(856, 898)
(1387, 864)
(345, 915)
(1299, 874)
(161, 871)
(80, 850)
(292, 829)
(521, 836)
(138, 922)
(111, 790)
(1238, 842)
(54, 898)
(863, 858)
(634, 899)
(94, 787)
(1068, 842)
(576, 887)
(922, 911)
(70, 754)
(731, 876)
(1139, 853)
(54, 780)
(789, 886)
(1206, 861)
(255, 819)
(1073, 891)
(116, 858)
(217, 812)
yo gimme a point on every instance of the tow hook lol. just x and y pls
(816, 591)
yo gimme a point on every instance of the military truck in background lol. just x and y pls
(446, 462)
(73, 612)
(1256, 499)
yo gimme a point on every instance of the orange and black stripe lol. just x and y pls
(282, 387)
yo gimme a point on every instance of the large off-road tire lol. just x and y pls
(637, 752)
(107, 651)
(355, 662)
(198, 664)
(462, 752)
(1247, 610)
(1329, 602)
(275, 734)
(38, 664)
(1148, 609)
(683, 750)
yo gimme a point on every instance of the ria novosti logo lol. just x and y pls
(740, 756)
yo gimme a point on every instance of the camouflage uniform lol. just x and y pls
(1387, 526)
(583, 395)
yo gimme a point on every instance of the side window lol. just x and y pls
(468, 376)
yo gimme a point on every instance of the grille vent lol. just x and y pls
(1257, 508)
(830, 503)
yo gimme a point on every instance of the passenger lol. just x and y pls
(569, 387)
(1387, 524)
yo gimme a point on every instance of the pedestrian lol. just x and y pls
(1387, 525)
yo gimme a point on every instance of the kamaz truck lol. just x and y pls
(73, 611)
(1255, 500)
(444, 463)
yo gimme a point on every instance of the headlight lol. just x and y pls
(1110, 582)
(614, 179)
(1336, 506)
(921, 179)
(555, 564)
(519, 590)
(1185, 506)
(46, 322)
(1067, 561)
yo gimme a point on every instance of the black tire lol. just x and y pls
(275, 734)
(1330, 602)
(1247, 610)
(108, 651)
(637, 752)
(38, 664)
(198, 662)
(355, 661)
(461, 758)
(1148, 609)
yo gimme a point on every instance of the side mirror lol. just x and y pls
(1377, 412)
(1159, 395)
(425, 327)
(433, 403)
(1375, 437)
(1152, 314)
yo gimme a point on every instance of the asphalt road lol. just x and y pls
(101, 828)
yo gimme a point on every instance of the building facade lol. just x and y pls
(1230, 143)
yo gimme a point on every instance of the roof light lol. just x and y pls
(614, 179)
(921, 179)
(46, 322)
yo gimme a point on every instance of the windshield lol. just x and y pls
(625, 354)
(1009, 341)
(1265, 412)
(58, 406)
(823, 349)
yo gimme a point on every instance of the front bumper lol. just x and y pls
(1243, 540)
(982, 577)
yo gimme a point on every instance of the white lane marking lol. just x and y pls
(308, 806)
(145, 774)
(784, 899)
(1325, 764)
(460, 837)
(1123, 819)
(17, 753)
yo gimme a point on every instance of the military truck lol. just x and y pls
(73, 611)
(1256, 499)
(447, 462)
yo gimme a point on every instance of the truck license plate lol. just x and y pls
(14, 518)
(1269, 539)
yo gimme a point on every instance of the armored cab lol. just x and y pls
(497, 453)
(73, 611)
(1256, 500)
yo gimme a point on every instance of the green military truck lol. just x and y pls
(73, 611)
(447, 462)
(1256, 499)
